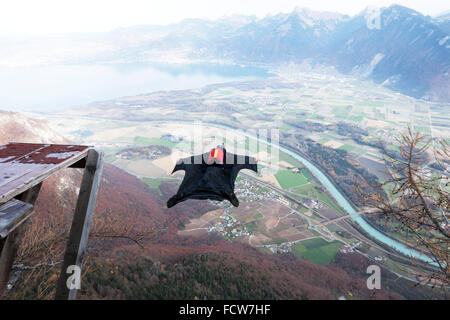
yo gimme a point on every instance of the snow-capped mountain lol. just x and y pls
(443, 21)
(394, 46)
(404, 50)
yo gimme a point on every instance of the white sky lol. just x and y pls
(55, 16)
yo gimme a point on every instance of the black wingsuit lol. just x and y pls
(210, 181)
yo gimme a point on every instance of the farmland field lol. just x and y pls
(288, 179)
(316, 250)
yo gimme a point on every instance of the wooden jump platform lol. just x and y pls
(23, 169)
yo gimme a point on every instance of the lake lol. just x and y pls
(56, 87)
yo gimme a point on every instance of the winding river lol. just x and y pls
(325, 181)
(340, 199)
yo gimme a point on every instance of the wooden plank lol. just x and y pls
(32, 174)
(79, 231)
(12, 214)
(35, 176)
(15, 151)
(12, 242)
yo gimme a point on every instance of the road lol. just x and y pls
(372, 210)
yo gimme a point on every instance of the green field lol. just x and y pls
(153, 183)
(323, 140)
(141, 141)
(224, 92)
(356, 118)
(144, 141)
(285, 157)
(307, 190)
(261, 190)
(257, 216)
(285, 127)
(368, 103)
(328, 200)
(163, 142)
(346, 147)
(287, 179)
(306, 174)
(316, 250)
(302, 209)
(251, 226)
(422, 129)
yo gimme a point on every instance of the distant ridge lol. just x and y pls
(394, 46)
(404, 50)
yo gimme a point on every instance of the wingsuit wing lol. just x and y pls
(242, 162)
(193, 167)
(197, 160)
(179, 166)
(246, 162)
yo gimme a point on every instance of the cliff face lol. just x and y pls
(15, 127)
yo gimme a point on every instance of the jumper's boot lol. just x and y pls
(173, 201)
(233, 199)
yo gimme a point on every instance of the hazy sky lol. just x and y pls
(54, 16)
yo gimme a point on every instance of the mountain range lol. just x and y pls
(394, 46)
(400, 48)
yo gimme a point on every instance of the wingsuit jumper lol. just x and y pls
(211, 176)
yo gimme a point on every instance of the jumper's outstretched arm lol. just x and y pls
(179, 166)
(244, 162)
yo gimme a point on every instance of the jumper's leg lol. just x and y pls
(233, 199)
(81, 223)
(10, 244)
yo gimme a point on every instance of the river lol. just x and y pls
(335, 193)
(342, 201)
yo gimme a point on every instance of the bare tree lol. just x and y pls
(418, 200)
(41, 252)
